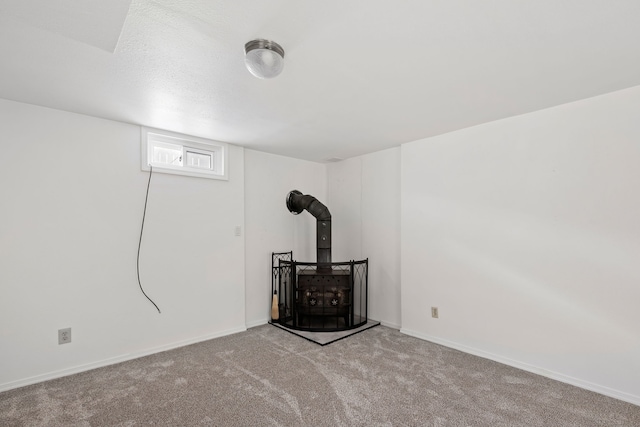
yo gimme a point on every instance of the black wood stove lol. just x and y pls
(320, 296)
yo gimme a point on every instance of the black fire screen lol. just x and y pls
(319, 297)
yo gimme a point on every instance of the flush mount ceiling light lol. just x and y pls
(263, 58)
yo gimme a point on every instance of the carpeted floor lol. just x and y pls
(269, 377)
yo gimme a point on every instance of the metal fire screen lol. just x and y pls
(320, 297)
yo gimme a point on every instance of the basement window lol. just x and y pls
(172, 153)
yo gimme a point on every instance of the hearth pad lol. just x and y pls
(324, 338)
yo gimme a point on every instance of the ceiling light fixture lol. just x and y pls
(263, 58)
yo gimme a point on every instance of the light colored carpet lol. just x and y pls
(269, 377)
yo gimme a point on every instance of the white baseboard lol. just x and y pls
(616, 394)
(255, 323)
(113, 360)
(390, 325)
(385, 323)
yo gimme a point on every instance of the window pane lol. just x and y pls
(199, 160)
(167, 154)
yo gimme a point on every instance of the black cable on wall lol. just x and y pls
(144, 213)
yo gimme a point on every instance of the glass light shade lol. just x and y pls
(264, 59)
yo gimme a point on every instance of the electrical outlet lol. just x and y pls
(434, 312)
(64, 336)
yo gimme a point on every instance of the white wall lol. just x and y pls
(344, 201)
(525, 233)
(72, 201)
(381, 233)
(270, 227)
(364, 200)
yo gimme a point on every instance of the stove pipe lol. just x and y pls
(296, 203)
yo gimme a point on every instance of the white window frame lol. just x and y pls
(219, 152)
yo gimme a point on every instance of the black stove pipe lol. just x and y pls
(296, 203)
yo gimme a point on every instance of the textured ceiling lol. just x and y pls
(95, 22)
(359, 76)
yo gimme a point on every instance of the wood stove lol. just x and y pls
(320, 296)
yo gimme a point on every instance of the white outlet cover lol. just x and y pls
(64, 336)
